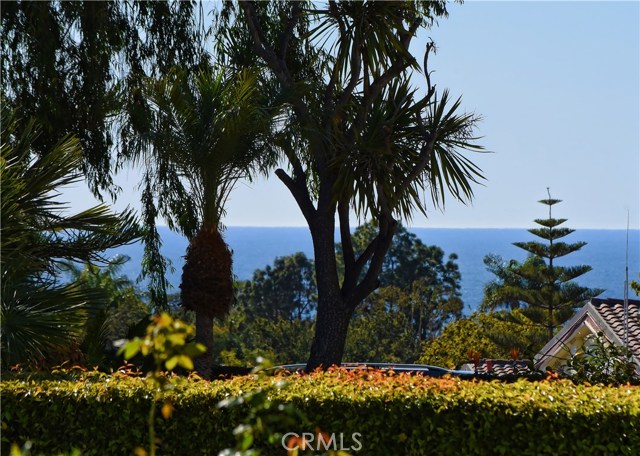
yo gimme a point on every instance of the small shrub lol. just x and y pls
(600, 361)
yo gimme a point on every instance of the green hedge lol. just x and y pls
(395, 415)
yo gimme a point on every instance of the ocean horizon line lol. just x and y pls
(428, 227)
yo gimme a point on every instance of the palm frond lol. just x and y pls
(39, 322)
(40, 317)
(202, 132)
(409, 147)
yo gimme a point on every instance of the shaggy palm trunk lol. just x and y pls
(207, 288)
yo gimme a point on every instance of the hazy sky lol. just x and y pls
(558, 87)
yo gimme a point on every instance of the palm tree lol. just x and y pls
(367, 141)
(41, 317)
(201, 133)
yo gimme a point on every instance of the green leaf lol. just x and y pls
(132, 348)
(194, 350)
(185, 361)
(176, 339)
(172, 362)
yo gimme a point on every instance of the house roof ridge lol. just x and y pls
(604, 315)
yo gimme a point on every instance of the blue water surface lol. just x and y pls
(256, 247)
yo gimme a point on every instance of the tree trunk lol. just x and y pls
(204, 334)
(333, 315)
(207, 288)
(336, 304)
(332, 324)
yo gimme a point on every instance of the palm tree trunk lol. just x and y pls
(204, 335)
(207, 288)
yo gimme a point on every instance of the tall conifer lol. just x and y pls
(544, 291)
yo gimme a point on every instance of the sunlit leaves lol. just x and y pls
(409, 148)
(448, 414)
(601, 361)
(168, 342)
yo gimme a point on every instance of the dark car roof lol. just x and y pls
(424, 369)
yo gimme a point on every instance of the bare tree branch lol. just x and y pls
(382, 243)
(430, 137)
(350, 272)
(296, 12)
(373, 88)
(420, 166)
(300, 193)
(396, 67)
(277, 63)
(260, 45)
(431, 47)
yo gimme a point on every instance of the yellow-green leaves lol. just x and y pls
(179, 360)
(396, 414)
(131, 348)
(167, 340)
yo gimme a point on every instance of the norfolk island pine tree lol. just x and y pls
(544, 292)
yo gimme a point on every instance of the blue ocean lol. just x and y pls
(255, 247)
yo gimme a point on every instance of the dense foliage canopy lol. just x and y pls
(43, 317)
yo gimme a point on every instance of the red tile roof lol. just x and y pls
(606, 315)
(612, 312)
(500, 367)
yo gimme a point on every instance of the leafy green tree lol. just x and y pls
(390, 325)
(506, 276)
(600, 361)
(381, 330)
(517, 333)
(544, 291)
(408, 260)
(432, 308)
(41, 317)
(286, 290)
(241, 338)
(74, 66)
(463, 338)
(355, 134)
(273, 315)
(456, 343)
(393, 324)
(431, 286)
(198, 134)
